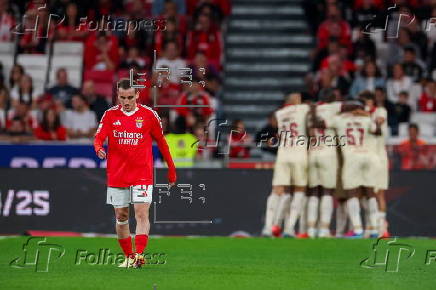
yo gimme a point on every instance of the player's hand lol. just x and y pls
(171, 184)
(101, 154)
(379, 120)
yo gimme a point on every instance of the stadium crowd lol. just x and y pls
(356, 52)
(186, 36)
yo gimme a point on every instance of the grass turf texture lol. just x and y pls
(224, 263)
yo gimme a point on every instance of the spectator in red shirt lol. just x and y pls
(205, 38)
(7, 23)
(427, 100)
(239, 141)
(170, 34)
(35, 37)
(411, 150)
(50, 128)
(170, 13)
(334, 27)
(195, 95)
(101, 52)
(70, 30)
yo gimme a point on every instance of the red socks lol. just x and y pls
(141, 243)
(126, 245)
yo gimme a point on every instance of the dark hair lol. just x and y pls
(377, 70)
(180, 125)
(367, 95)
(125, 84)
(410, 49)
(406, 93)
(11, 81)
(44, 123)
(20, 92)
(414, 126)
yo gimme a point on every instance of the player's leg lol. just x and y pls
(313, 194)
(298, 178)
(312, 211)
(382, 185)
(328, 176)
(119, 198)
(141, 197)
(277, 198)
(142, 226)
(341, 217)
(283, 206)
(272, 203)
(372, 212)
(351, 179)
(382, 221)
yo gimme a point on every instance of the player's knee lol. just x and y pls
(141, 216)
(122, 216)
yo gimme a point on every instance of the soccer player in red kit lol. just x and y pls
(130, 129)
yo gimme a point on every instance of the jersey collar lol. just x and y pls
(131, 112)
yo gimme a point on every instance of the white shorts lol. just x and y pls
(382, 176)
(359, 170)
(292, 171)
(323, 166)
(123, 196)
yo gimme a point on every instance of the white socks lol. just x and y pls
(295, 211)
(341, 219)
(372, 213)
(353, 208)
(283, 206)
(326, 211)
(271, 206)
(312, 211)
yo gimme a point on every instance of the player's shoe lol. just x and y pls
(276, 231)
(324, 233)
(385, 235)
(288, 234)
(354, 235)
(311, 232)
(139, 261)
(303, 236)
(128, 262)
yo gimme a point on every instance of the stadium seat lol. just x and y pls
(73, 64)
(7, 48)
(103, 81)
(35, 65)
(68, 48)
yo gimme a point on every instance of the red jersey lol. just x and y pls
(130, 136)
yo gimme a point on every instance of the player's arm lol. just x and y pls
(157, 134)
(314, 120)
(377, 130)
(101, 135)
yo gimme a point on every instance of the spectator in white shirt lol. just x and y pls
(25, 92)
(80, 122)
(398, 83)
(172, 60)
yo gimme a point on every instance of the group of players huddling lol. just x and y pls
(329, 151)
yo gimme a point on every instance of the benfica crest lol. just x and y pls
(139, 123)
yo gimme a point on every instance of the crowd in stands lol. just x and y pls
(358, 50)
(185, 34)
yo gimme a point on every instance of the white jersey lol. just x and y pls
(354, 132)
(381, 140)
(325, 139)
(292, 131)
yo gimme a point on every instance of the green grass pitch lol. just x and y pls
(225, 263)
